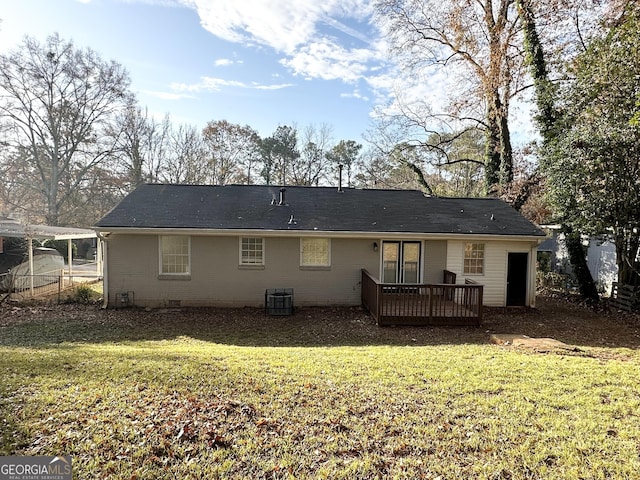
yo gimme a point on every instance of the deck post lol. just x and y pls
(430, 303)
(379, 303)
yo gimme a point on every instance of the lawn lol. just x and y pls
(196, 394)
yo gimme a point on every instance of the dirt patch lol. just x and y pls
(569, 322)
(536, 344)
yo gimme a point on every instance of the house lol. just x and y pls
(601, 256)
(201, 245)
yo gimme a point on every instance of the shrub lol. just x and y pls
(83, 294)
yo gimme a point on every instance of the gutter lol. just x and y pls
(325, 233)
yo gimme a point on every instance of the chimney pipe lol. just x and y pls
(282, 199)
(340, 178)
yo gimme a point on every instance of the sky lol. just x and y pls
(261, 63)
(251, 62)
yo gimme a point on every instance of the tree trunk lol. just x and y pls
(546, 116)
(627, 244)
(492, 151)
(578, 259)
(506, 151)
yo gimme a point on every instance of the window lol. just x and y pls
(474, 258)
(175, 255)
(252, 251)
(315, 252)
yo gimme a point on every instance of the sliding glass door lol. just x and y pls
(401, 262)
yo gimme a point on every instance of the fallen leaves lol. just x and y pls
(219, 393)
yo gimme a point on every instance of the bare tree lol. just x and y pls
(56, 102)
(232, 152)
(310, 167)
(475, 40)
(377, 169)
(186, 160)
(142, 144)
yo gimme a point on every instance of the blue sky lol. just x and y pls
(261, 63)
(252, 62)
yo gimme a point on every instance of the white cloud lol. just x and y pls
(280, 24)
(355, 94)
(297, 29)
(278, 86)
(223, 62)
(212, 84)
(327, 60)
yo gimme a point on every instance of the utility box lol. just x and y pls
(124, 299)
(278, 301)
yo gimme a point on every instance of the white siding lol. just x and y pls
(494, 278)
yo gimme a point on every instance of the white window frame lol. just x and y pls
(315, 264)
(242, 260)
(161, 255)
(471, 264)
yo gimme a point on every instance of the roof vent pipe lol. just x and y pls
(340, 178)
(282, 200)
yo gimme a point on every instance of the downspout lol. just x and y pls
(105, 282)
(70, 260)
(30, 247)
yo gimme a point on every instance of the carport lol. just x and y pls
(10, 228)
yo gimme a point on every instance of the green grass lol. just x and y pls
(156, 397)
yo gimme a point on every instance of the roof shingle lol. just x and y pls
(256, 207)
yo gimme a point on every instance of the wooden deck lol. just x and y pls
(422, 304)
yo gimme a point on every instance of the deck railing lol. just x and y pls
(422, 304)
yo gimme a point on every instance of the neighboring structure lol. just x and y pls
(10, 228)
(195, 245)
(601, 257)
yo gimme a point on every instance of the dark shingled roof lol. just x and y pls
(255, 207)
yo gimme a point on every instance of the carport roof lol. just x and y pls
(13, 228)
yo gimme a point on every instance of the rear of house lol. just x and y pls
(187, 245)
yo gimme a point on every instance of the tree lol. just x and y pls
(374, 169)
(547, 120)
(310, 168)
(402, 169)
(454, 157)
(141, 144)
(186, 160)
(56, 102)
(593, 166)
(231, 150)
(278, 152)
(479, 40)
(345, 153)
